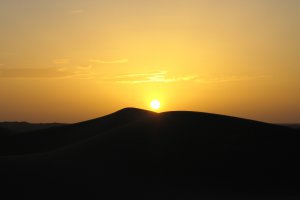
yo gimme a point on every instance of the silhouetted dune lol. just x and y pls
(142, 151)
(21, 127)
(55, 137)
(296, 126)
(4, 132)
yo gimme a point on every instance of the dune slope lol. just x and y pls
(188, 150)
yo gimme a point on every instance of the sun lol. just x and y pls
(155, 104)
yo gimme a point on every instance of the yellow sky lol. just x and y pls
(72, 60)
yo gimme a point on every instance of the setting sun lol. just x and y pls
(91, 58)
(150, 98)
(155, 104)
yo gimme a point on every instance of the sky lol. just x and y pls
(73, 60)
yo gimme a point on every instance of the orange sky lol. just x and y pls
(72, 60)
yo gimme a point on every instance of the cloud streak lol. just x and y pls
(34, 73)
(155, 77)
(87, 72)
(120, 61)
(230, 78)
(61, 61)
(50, 72)
(164, 77)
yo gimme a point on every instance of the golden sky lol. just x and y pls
(72, 60)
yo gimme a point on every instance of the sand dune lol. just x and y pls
(189, 152)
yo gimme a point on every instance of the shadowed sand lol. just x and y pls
(147, 155)
(21, 127)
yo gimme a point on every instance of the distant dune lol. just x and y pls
(138, 152)
(21, 127)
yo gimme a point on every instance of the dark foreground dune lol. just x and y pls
(295, 126)
(22, 127)
(4, 132)
(138, 154)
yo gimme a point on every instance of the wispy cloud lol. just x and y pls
(97, 61)
(33, 72)
(84, 72)
(227, 78)
(165, 77)
(155, 77)
(61, 61)
(51, 72)
(87, 72)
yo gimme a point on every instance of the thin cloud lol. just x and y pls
(34, 72)
(51, 72)
(84, 72)
(164, 77)
(221, 79)
(120, 61)
(160, 73)
(61, 61)
(155, 77)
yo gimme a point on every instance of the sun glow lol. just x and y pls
(155, 104)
